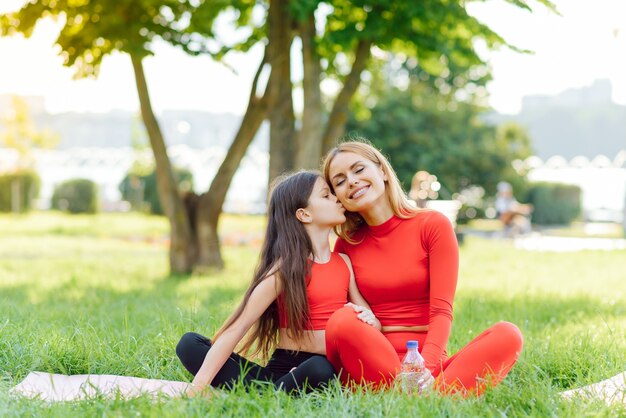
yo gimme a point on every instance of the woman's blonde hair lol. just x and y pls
(400, 203)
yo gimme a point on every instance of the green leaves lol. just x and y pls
(427, 30)
(438, 33)
(92, 29)
(425, 126)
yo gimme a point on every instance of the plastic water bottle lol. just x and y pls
(412, 369)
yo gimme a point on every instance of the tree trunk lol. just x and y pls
(182, 248)
(209, 204)
(309, 146)
(281, 115)
(339, 114)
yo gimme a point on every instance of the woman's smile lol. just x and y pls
(359, 192)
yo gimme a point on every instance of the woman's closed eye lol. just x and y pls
(357, 170)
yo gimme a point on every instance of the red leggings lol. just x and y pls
(368, 356)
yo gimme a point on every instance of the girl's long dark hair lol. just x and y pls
(285, 252)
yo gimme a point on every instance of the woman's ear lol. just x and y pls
(304, 216)
(385, 176)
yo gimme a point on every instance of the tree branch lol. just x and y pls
(339, 114)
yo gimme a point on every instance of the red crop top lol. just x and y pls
(327, 291)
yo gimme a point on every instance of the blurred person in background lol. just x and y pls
(515, 216)
(420, 187)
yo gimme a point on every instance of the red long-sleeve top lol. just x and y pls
(407, 271)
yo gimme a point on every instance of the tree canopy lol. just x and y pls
(337, 38)
(421, 128)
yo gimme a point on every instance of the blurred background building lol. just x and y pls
(579, 138)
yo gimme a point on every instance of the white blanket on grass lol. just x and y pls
(57, 387)
(611, 390)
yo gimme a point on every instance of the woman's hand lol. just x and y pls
(365, 315)
(426, 381)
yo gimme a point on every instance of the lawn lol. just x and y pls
(91, 294)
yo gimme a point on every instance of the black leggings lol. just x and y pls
(312, 371)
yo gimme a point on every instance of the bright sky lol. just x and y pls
(586, 43)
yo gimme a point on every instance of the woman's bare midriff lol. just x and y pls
(400, 328)
(312, 341)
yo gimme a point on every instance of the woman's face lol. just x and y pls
(358, 183)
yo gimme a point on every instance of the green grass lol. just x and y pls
(90, 294)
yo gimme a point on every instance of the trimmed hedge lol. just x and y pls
(76, 196)
(555, 203)
(142, 191)
(27, 182)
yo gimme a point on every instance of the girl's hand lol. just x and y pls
(365, 315)
(203, 392)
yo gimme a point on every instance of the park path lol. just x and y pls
(547, 239)
(538, 242)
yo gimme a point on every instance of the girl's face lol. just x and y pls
(359, 183)
(324, 208)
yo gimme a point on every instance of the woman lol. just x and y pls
(405, 261)
(297, 285)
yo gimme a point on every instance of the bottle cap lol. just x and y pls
(411, 344)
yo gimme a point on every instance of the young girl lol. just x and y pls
(296, 287)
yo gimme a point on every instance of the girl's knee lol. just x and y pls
(321, 369)
(314, 373)
(187, 343)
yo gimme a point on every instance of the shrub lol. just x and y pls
(555, 203)
(76, 196)
(27, 183)
(142, 192)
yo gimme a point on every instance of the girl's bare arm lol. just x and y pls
(357, 301)
(262, 296)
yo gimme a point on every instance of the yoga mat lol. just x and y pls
(57, 387)
(612, 390)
